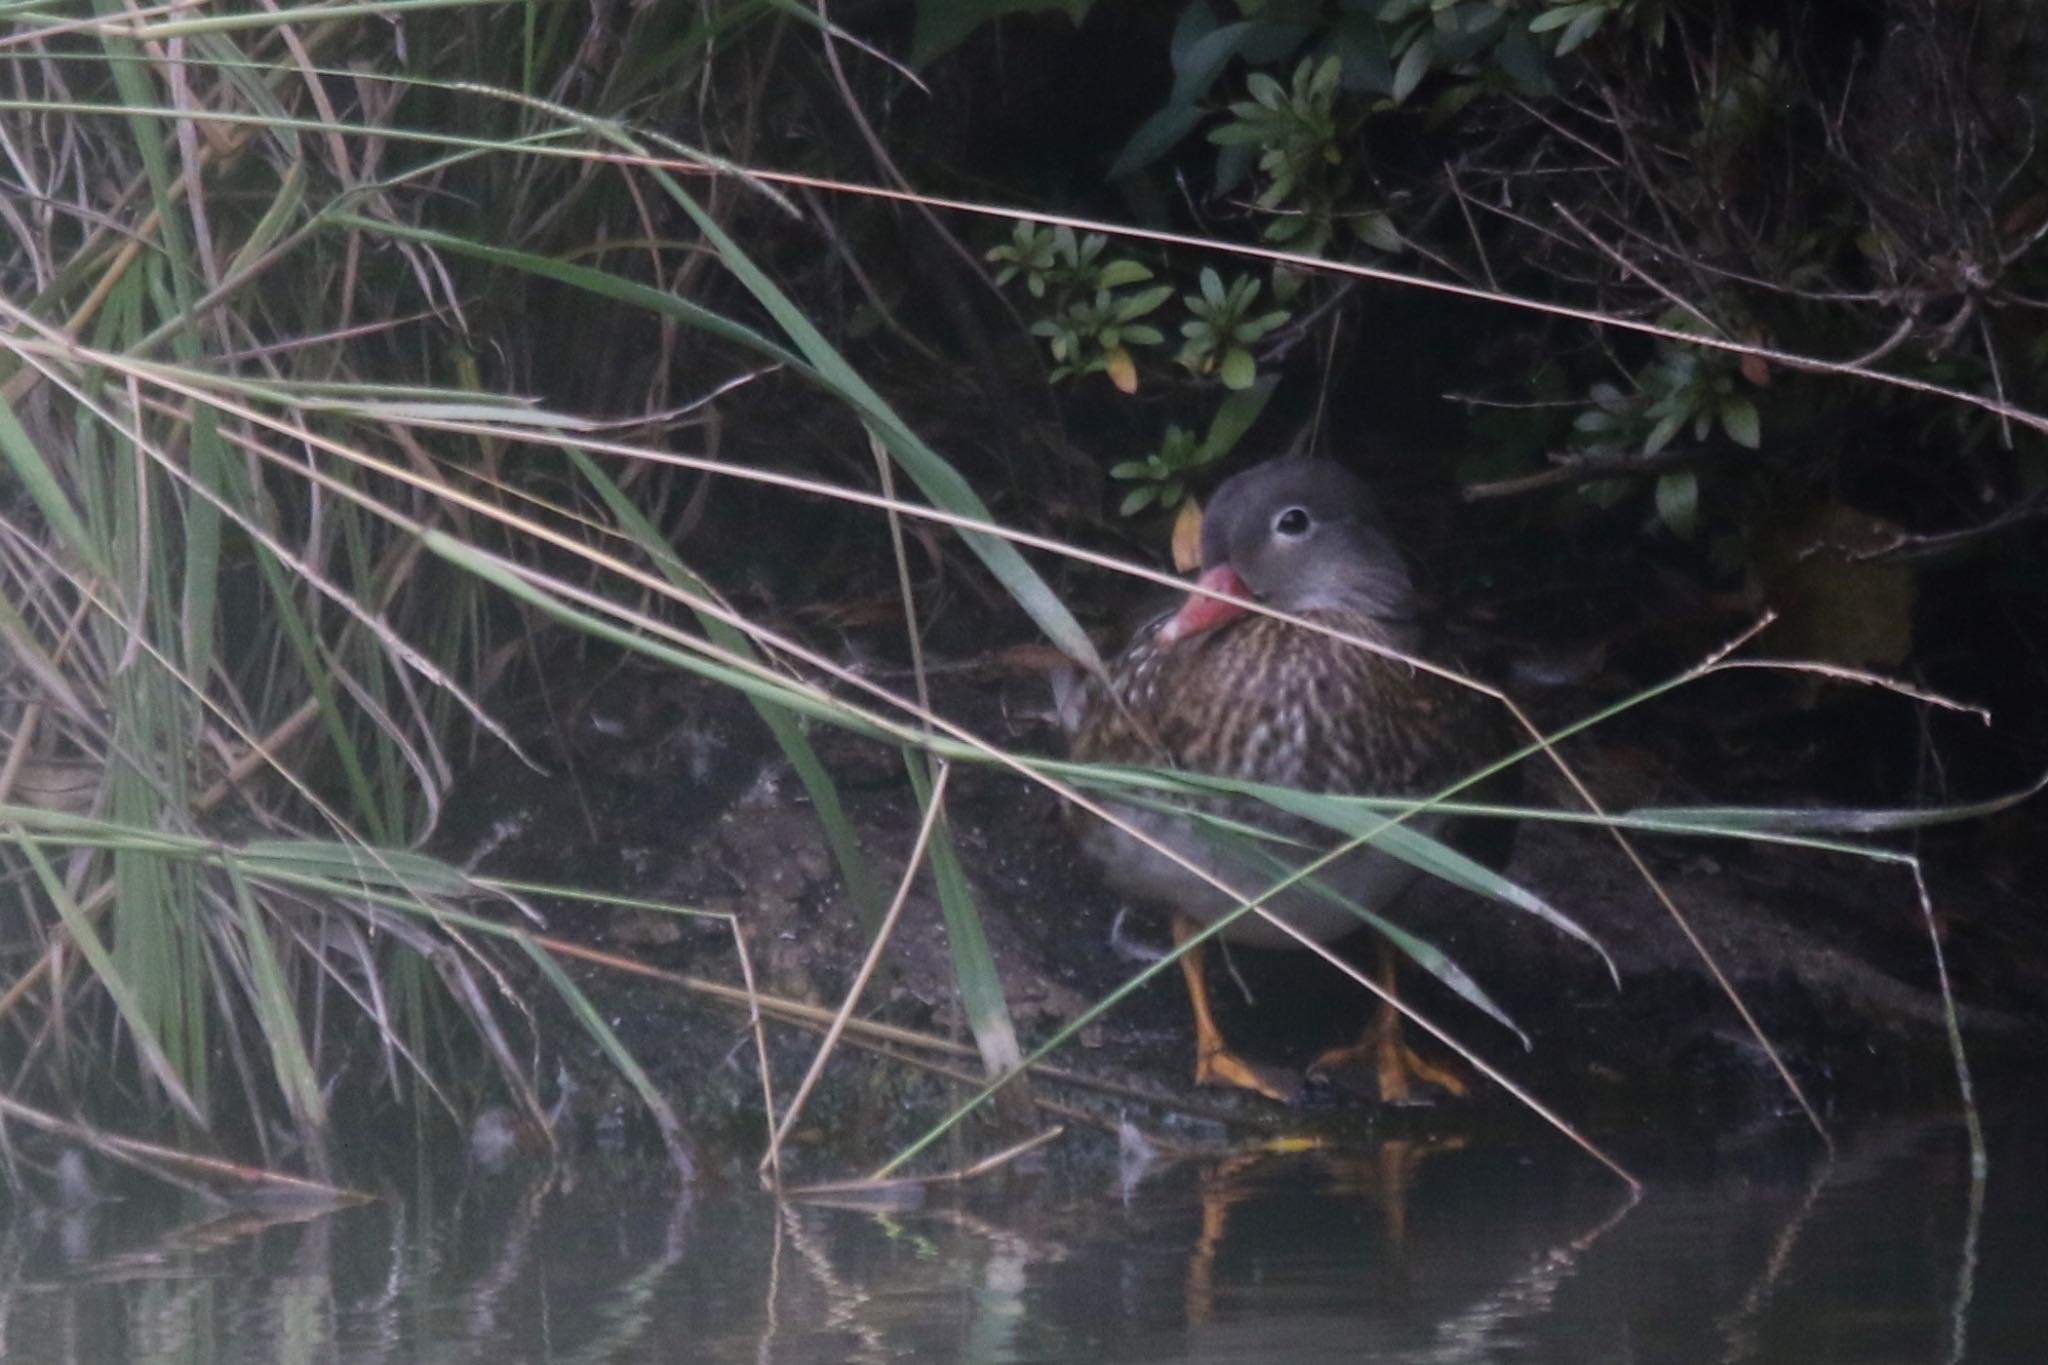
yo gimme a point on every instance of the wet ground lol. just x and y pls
(660, 787)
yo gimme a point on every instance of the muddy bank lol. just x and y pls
(659, 787)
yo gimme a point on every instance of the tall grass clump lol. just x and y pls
(263, 269)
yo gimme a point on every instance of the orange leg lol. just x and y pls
(1215, 1063)
(1396, 1066)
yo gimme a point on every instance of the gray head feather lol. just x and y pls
(1303, 534)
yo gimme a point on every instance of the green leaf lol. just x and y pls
(1196, 67)
(1678, 503)
(1240, 371)
(1362, 45)
(1196, 22)
(1377, 231)
(1521, 59)
(1155, 137)
(1740, 821)
(1238, 135)
(930, 471)
(1666, 428)
(1233, 164)
(661, 302)
(1137, 500)
(1739, 420)
(1355, 817)
(1286, 228)
(1116, 274)
(275, 1008)
(1323, 85)
(282, 212)
(1584, 27)
(1235, 415)
(752, 682)
(1556, 18)
(1142, 302)
(1414, 65)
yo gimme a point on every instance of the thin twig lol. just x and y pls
(911, 866)
(957, 1175)
(153, 1156)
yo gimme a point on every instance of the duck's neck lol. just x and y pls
(1370, 619)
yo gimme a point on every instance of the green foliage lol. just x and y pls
(1576, 21)
(1090, 308)
(1696, 388)
(1653, 171)
(1739, 107)
(1222, 328)
(1162, 476)
(1091, 312)
(1480, 44)
(1293, 130)
(941, 25)
(1683, 386)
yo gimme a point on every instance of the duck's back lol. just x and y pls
(1265, 701)
(1268, 701)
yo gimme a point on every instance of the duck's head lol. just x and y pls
(1297, 535)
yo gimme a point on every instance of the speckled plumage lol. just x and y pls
(1267, 701)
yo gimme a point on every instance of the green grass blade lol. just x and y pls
(395, 869)
(788, 732)
(974, 966)
(1424, 954)
(597, 282)
(940, 481)
(277, 1015)
(608, 1042)
(1350, 817)
(140, 1028)
(765, 686)
(1737, 821)
(47, 492)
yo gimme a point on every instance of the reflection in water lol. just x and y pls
(1408, 1252)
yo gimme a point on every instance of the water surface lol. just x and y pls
(1752, 1248)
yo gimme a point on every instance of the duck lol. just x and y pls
(1217, 687)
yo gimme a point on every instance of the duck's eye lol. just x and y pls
(1292, 522)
